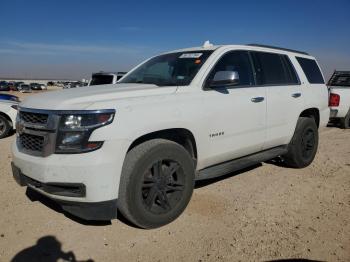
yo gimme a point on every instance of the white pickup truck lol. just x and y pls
(8, 112)
(138, 146)
(339, 98)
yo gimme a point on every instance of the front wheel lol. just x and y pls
(156, 184)
(303, 146)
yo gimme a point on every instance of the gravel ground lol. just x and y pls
(264, 213)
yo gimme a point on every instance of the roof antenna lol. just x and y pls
(207, 44)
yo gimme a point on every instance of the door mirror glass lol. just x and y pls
(225, 78)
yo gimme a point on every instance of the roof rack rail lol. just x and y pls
(279, 48)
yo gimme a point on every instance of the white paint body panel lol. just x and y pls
(5, 108)
(142, 109)
(344, 105)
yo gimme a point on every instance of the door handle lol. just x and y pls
(257, 99)
(296, 95)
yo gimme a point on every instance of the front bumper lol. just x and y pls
(99, 171)
(105, 210)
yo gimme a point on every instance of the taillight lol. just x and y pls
(334, 99)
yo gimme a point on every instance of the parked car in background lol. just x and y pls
(105, 78)
(24, 88)
(43, 86)
(35, 86)
(8, 112)
(16, 86)
(339, 98)
(12, 86)
(4, 86)
(182, 116)
(73, 84)
(8, 97)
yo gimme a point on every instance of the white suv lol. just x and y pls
(178, 117)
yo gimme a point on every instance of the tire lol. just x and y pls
(303, 146)
(345, 122)
(5, 127)
(156, 184)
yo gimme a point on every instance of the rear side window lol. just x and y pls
(273, 69)
(291, 75)
(311, 70)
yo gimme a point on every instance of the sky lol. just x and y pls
(71, 39)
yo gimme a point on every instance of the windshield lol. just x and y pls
(174, 69)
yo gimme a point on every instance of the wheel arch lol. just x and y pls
(181, 136)
(312, 113)
(8, 118)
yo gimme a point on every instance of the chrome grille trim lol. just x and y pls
(36, 138)
(33, 118)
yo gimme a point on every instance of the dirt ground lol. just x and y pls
(262, 214)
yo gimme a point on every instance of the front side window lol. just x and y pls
(235, 61)
(311, 70)
(174, 69)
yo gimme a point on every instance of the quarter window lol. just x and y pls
(235, 61)
(311, 70)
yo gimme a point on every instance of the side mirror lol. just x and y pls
(225, 78)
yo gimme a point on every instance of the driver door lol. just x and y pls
(236, 115)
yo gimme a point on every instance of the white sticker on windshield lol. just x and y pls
(191, 55)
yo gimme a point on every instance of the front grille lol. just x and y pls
(31, 142)
(33, 118)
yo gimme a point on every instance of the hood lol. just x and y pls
(8, 102)
(82, 97)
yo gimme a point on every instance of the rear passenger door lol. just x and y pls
(284, 96)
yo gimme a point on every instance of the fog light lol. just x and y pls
(72, 138)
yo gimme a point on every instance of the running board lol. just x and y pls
(240, 163)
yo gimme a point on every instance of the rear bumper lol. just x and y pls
(334, 113)
(104, 210)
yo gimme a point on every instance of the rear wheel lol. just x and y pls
(345, 122)
(5, 127)
(156, 184)
(303, 146)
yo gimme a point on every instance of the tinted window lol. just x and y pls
(311, 70)
(269, 69)
(235, 61)
(101, 80)
(291, 76)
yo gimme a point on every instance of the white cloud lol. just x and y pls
(48, 48)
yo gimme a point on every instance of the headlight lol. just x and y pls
(75, 130)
